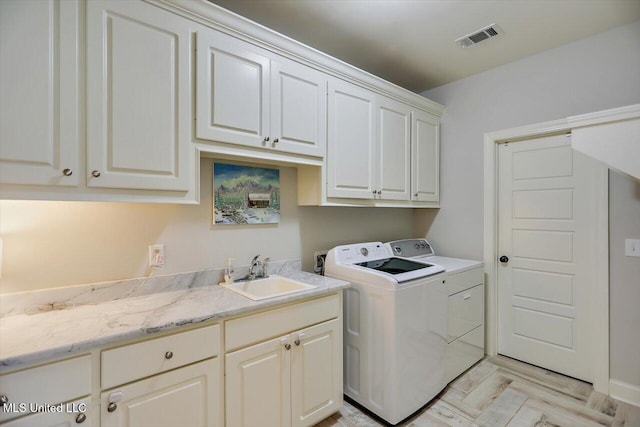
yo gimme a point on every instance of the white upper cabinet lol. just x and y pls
(369, 145)
(248, 96)
(138, 97)
(394, 150)
(39, 115)
(425, 152)
(351, 141)
(298, 108)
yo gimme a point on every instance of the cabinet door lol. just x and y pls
(74, 413)
(39, 133)
(258, 385)
(138, 97)
(394, 150)
(232, 86)
(351, 141)
(188, 396)
(425, 152)
(298, 109)
(316, 373)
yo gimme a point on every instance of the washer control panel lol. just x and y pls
(361, 252)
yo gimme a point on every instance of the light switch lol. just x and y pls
(632, 247)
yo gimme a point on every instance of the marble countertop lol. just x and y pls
(29, 339)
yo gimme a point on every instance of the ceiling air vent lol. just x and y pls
(479, 35)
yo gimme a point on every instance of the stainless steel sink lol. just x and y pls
(269, 287)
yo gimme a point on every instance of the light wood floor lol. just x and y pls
(499, 391)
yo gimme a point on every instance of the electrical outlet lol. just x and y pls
(632, 247)
(318, 262)
(156, 255)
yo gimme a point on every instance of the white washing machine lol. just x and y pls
(395, 331)
(464, 285)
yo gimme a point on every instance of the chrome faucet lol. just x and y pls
(254, 263)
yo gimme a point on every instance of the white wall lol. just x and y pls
(54, 244)
(592, 74)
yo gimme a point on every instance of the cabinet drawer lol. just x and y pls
(49, 384)
(465, 280)
(125, 364)
(258, 327)
(466, 311)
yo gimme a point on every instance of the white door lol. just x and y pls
(351, 141)
(232, 86)
(258, 388)
(425, 152)
(39, 112)
(138, 92)
(316, 373)
(546, 215)
(298, 109)
(187, 397)
(394, 150)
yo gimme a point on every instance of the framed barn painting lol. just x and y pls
(245, 194)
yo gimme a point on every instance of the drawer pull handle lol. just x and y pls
(4, 399)
(67, 172)
(466, 297)
(81, 418)
(168, 355)
(112, 407)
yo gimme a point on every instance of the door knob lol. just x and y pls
(504, 259)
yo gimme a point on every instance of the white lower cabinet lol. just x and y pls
(156, 382)
(71, 413)
(292, 379)
(47, 395)
(283, 368)
(185, 397)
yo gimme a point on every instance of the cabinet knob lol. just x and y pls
(379, 192)
(297, 342)
(4, 399)
(504, 259)
(416, 195)
(287, 346)
(95, 173)
(67, 172)
(81, 418)
(266, 139)
(112, 407)
(168, 355)
(275, 141)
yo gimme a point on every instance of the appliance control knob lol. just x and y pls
(504, 259)
(417, 245)
(364, 251)
(398, 249)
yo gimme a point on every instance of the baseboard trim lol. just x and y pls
(625, 392)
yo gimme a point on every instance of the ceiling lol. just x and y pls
(411, 42)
